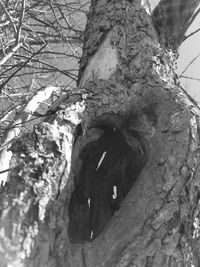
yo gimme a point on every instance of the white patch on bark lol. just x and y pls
(89, 203)
(101, 160)
(149, 5)
(196, 224)
(114, 196)
(73, 112)
(15, 127)
(103, 64)
(91, 234)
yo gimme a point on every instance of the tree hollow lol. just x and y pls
(110, 167)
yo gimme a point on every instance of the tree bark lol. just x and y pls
(130, 128)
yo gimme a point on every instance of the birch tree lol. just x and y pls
(111, 176)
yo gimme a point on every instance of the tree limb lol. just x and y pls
(20, 22)
(172, 19)
(10, 54)
(15, 127)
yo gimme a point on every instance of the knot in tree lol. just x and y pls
(110, 167)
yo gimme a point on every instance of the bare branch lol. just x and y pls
(172, 26)
(9, 17)
(10, 54)
(192, 19)
(191, 34)
(190, 63)
(15, 95)
(20, 22)
(65, 72)
(191, 78)
(23, 65)
(4, 171)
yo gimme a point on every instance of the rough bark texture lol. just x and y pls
(133, 128)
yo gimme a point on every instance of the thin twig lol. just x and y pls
(65, 72)
(191, 78)
(9, 17)
(5, 170)
(190, 63)
(22, 66)
(10, 53)
(193, 18)
(189, 35)
(20, 21)
(15, 95)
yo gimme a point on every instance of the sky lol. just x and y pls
(188, 51)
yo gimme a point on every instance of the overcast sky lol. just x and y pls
(188, 51)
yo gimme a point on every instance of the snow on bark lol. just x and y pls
(30, 200)
(15, 127)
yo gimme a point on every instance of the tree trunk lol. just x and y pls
(112, 178)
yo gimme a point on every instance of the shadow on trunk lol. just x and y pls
(110, 167)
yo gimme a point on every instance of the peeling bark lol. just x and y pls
(129, 108)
